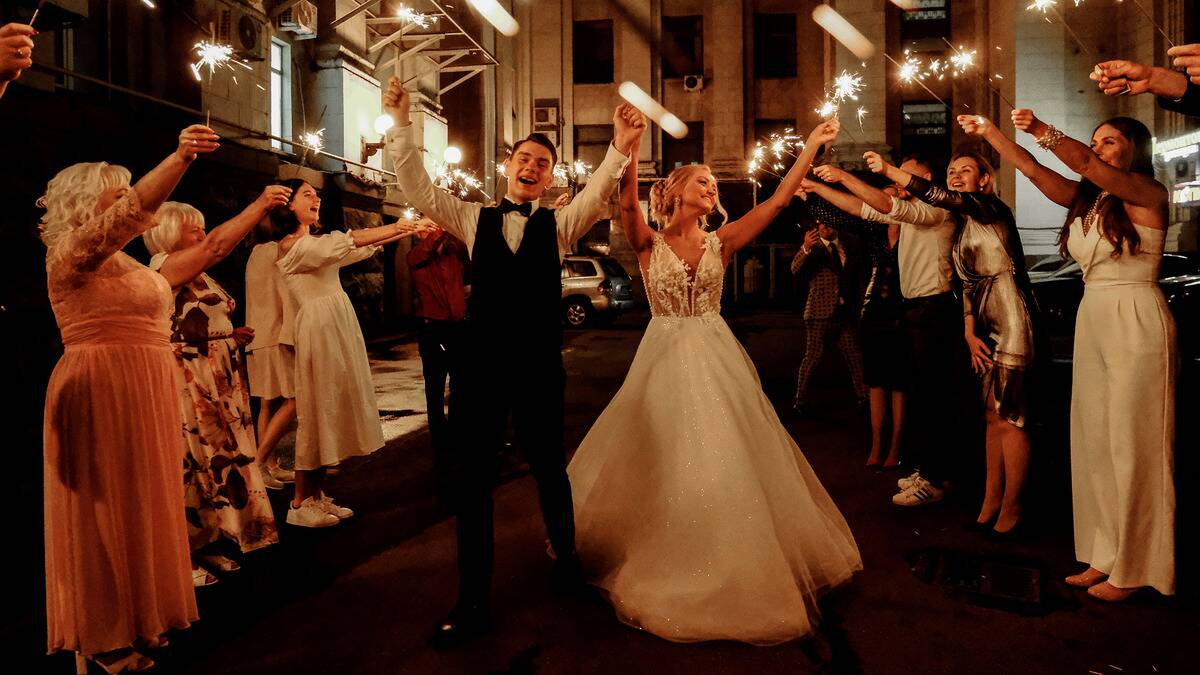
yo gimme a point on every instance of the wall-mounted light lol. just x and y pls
(452, 155)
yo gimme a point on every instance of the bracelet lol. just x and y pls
(1050, 139)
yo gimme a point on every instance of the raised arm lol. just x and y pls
(742, 231)
(456, 217)
(590, 205)
(16, 52)
(181, 267)
(87, 246)
(1055, 186)
(867, 194)
(1136, 190)
(637, 232)
(840, 210)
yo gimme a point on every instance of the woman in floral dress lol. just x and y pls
(224, 497)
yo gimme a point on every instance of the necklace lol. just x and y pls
(1093, 213)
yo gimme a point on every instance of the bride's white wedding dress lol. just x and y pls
(695, 510)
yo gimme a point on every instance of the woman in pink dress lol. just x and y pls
(117, 568)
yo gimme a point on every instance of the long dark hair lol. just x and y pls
(283, 219)
(1118, 229)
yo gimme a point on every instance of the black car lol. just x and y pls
(1058, 299)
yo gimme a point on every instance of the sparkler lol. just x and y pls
(768, 156)
(845, 87)
(314, 140)
(212, 56)
(35, 11)
(459, 182)
(862, 112)
(416, 18)
(910, 71)
(1154, 23)
(962, 61)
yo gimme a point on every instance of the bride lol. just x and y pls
(696, 512)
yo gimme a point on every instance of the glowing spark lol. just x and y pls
(149, 3)
(315, 140)
(910, 69)
(961, 62)
(500, 171)
(416, 18)
(459, 182)
(211, 56)
(845, 87)
(862, 112)
(411, 214)
(1043, 6)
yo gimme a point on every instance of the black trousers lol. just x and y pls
(526, 385)
(937, 417)
(440, 344)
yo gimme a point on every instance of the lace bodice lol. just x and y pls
(99, 293)
(676, 290)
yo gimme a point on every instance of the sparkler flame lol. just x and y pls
(416, 18)
(1044, 6)
(767, 156)
(212, 56)
(458, 182)
(910, 69)
(315, 140)
(845, 87)
(961, 61)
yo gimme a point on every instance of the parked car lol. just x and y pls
(1058, 299)
(593, 287)
(1051, 267)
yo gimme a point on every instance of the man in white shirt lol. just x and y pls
(513, 356)
(934, 414)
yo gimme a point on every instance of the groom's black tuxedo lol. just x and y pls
(514, 366)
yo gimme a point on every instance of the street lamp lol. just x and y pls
(452, 155)
(382, 124)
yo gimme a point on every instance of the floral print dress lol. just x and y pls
(223, 494)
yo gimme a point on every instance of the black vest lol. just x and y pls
(516, 298)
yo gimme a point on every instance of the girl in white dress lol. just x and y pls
(271, 357)
(335, 399)
(1123, 383)
(695, 510)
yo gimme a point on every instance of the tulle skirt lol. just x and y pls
(695, 510)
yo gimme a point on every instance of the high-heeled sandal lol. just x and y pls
(201, 578)
(129, 661)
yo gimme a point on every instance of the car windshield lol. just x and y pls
(613, 268)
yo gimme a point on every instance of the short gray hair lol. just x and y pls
(169, 222)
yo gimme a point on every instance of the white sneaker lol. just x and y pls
(283, 475)
(911, 480)
(922, 492)
(310, 514)
(269, 480)
(340, 512)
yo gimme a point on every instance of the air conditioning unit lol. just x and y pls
(300, 19)
(243, 30)
(693, 82)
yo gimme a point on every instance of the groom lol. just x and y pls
(513, 357)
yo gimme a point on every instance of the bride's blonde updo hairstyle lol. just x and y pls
(666, 196)
(71, 196)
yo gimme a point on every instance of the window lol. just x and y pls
(281, 93)
(593, 47)
(682, 46)
(928, 23)
(591, 142)
(679, 152)
(580, 268)
(924, 128)
(774, 45)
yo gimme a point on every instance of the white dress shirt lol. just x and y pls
(926, 237)
(461, 219)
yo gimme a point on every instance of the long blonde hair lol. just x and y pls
(168, 224)
(71, 196)
(664, 196)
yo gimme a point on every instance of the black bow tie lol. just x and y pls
(524, 209)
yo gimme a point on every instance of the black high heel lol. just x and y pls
(984, 527)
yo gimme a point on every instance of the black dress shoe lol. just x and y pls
(981, 528)
(1014, 533)
(566, 577)
(463, 624)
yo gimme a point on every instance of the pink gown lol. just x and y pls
(117, 564)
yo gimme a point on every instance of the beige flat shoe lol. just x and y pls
(1109, 593)
(1087, 578)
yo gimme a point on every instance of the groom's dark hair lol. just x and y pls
(540, 139)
